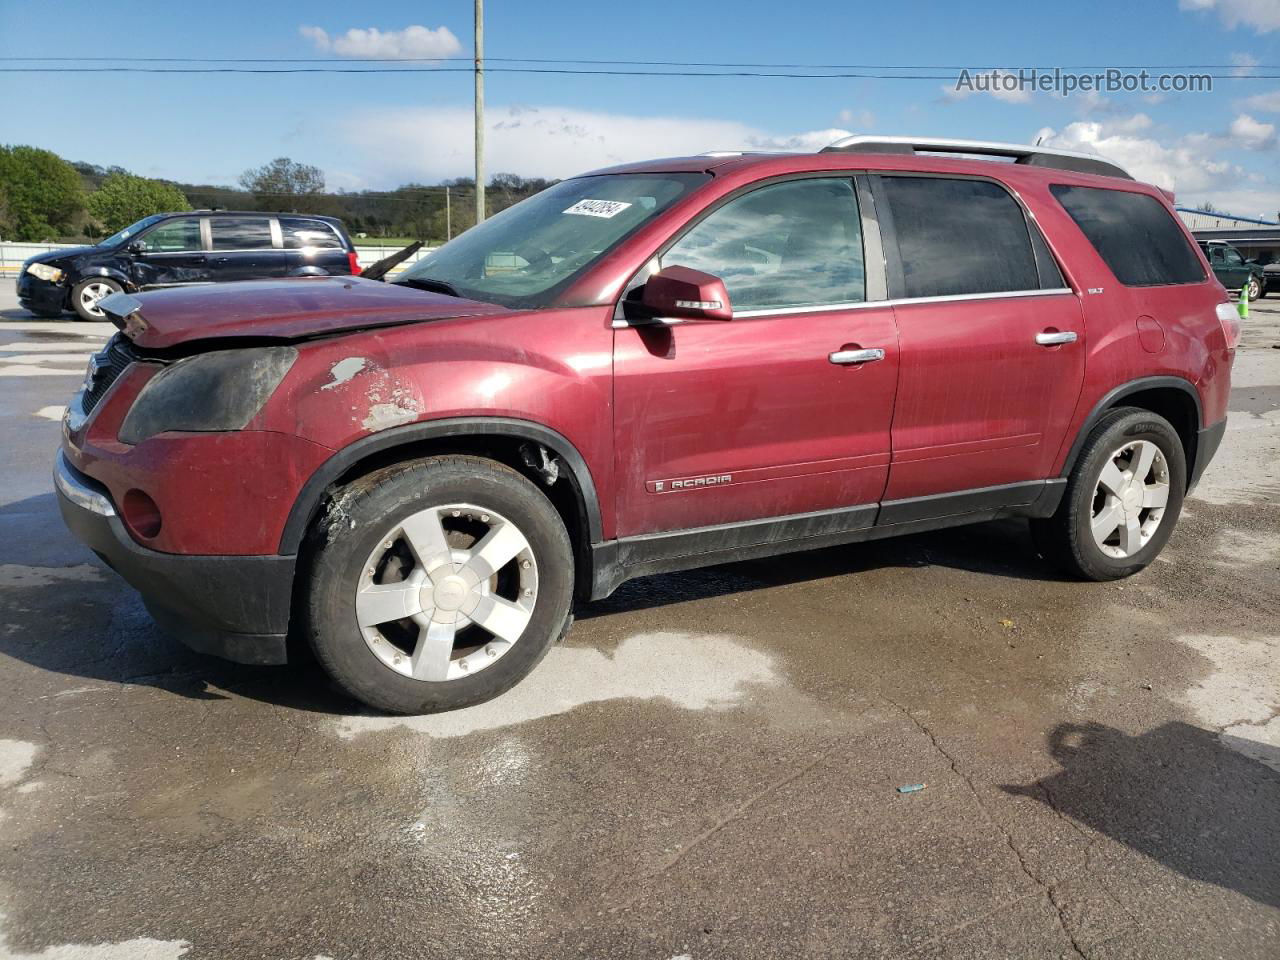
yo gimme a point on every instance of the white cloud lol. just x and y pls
(863, 119)
(1266, 102)
(425, 144)
(997, 84)
(1253, 134)
(1188, 164)
(411, 42)
(1262, 15)
(1244, 64)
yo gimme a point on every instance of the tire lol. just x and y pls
(86, 294)
(1253, 289)
(1142, 525)
(447, 520)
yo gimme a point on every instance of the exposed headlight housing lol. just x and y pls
(44, 272)
(208, 393)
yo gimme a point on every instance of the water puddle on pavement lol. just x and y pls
(695, 672)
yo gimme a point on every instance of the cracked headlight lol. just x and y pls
(44, 272)
(208, 393)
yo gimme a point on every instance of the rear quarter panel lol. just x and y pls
(1134, 332)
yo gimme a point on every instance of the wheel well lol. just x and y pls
(564, 493)
(1176, 406)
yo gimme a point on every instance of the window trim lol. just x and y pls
(909, 301)
(893, 265)
(866, 218)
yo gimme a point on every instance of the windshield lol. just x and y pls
(523, 256)
(130, 230)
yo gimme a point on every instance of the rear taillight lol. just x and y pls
(1229, 317)
(353, 258)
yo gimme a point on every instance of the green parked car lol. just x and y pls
(1233, 270)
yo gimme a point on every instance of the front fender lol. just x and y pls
(99, 270)
(545, 376)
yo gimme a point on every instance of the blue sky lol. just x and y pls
(377, 131)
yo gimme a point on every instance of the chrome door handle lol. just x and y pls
(1054, 339)
(857, 356)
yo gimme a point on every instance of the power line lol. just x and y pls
(536, 70)
(654, 63)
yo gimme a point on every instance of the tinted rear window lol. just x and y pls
(1134, 234)
(959, 237)
(241, 233)
(299, 232)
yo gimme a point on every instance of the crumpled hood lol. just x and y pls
(288, 309)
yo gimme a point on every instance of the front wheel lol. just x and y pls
(86, 294)
(1254, 289)
(438, 584)
(1122, 499)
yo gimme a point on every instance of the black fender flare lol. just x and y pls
(1113, 396)
(310, 496)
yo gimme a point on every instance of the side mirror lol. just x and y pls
(137, 247)
(680, 293)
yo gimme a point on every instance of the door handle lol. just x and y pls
(847, 357)
(1057, 338)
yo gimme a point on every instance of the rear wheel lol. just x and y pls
(438, 584)
(1122, 500)
(1254, 289)
(86, 294)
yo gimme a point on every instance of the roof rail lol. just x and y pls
(1020, 152)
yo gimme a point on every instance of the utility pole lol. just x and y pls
(448, 216)
(479, 111)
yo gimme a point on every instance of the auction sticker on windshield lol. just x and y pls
(598, 208)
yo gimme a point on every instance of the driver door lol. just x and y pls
(763, 415)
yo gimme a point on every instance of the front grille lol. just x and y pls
(105, 368)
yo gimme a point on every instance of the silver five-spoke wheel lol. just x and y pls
(447, 592)
(1129, 500)
(91, 293)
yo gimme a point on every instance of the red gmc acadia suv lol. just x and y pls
(650, 368)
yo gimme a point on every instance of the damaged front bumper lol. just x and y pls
(235, 607)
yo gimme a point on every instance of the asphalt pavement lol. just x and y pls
(707, 767)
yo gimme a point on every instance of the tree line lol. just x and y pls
(44, 197)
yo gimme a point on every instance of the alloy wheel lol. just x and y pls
(447, 592)
(91, 293)
(1129, 499)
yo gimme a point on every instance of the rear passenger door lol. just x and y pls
(245, 248)
(312, 247)
(991, 339)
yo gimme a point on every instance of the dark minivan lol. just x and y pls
(178, 249)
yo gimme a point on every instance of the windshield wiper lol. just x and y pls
(433, 286)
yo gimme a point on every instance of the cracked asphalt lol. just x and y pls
(708, 767)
